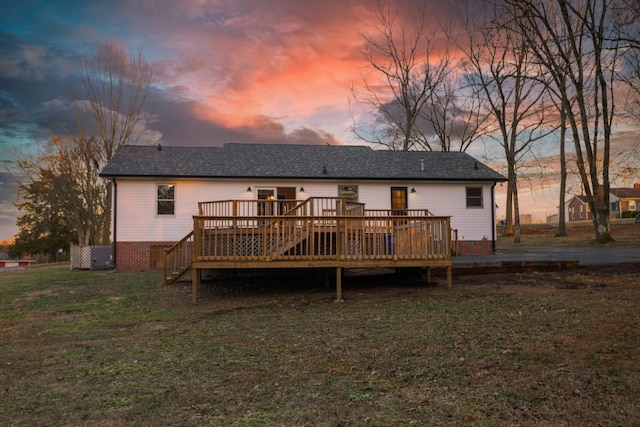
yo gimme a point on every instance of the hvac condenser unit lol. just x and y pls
(91, 257)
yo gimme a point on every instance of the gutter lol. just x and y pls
(114, 212)
(493, 217)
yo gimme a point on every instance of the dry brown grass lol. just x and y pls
(625, 232)
(93, 348)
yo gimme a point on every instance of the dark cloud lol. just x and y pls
(174, 119)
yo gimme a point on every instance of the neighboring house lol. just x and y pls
(578, 209)
(621, 200)
(157, 188)
(624, 200)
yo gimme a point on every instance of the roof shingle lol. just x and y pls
(295, 161)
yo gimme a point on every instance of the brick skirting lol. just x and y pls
(475, 247)
(137, 256)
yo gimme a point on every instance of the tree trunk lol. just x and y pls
(516, 217)
(601, 221)
(562, 229)
(511, 189)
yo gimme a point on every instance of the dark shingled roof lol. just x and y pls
(626, 193)
(295, 161)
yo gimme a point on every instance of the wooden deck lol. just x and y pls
(317, 232)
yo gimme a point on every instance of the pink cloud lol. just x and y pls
(246, 59)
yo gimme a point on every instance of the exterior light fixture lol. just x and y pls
(302, 189)
(248, 189)
(413, 190)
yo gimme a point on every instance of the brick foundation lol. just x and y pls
(475, 247)
(137, 256)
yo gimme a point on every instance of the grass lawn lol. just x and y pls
(625, 232)
(99, 348)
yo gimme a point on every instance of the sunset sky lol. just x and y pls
(225, 70)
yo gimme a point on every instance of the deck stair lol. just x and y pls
(177, 259)
(292, 237)
(289, 241)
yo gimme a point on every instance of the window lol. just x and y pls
(614, 206)
(166, 199)
(632, 205)
(350, 191)
(474, 197)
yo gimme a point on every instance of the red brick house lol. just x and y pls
(578, 209)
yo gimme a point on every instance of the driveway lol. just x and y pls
(585, 256)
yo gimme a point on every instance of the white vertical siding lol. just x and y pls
(138, 221)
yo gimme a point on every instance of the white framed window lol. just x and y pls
(632, 205)
(165, 199)
(474, 197)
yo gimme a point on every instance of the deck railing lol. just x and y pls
(231, 208)
(314, 206)
(177, 259)
(325, 237)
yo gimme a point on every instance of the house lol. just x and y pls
(578, 208)
(624, 200)
(621, 200)
(159, 193)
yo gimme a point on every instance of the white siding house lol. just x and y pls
(147, 218)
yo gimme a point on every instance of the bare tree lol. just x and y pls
(575, 42)
(418, 99)
(626, 18)
(500, 67)
(454, 111)
(562, 228)
(398, 89)
(115, 86)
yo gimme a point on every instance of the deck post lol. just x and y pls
(339, 284)
(164, 264)
(449, 268)
(195, 281)
(428, 275)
